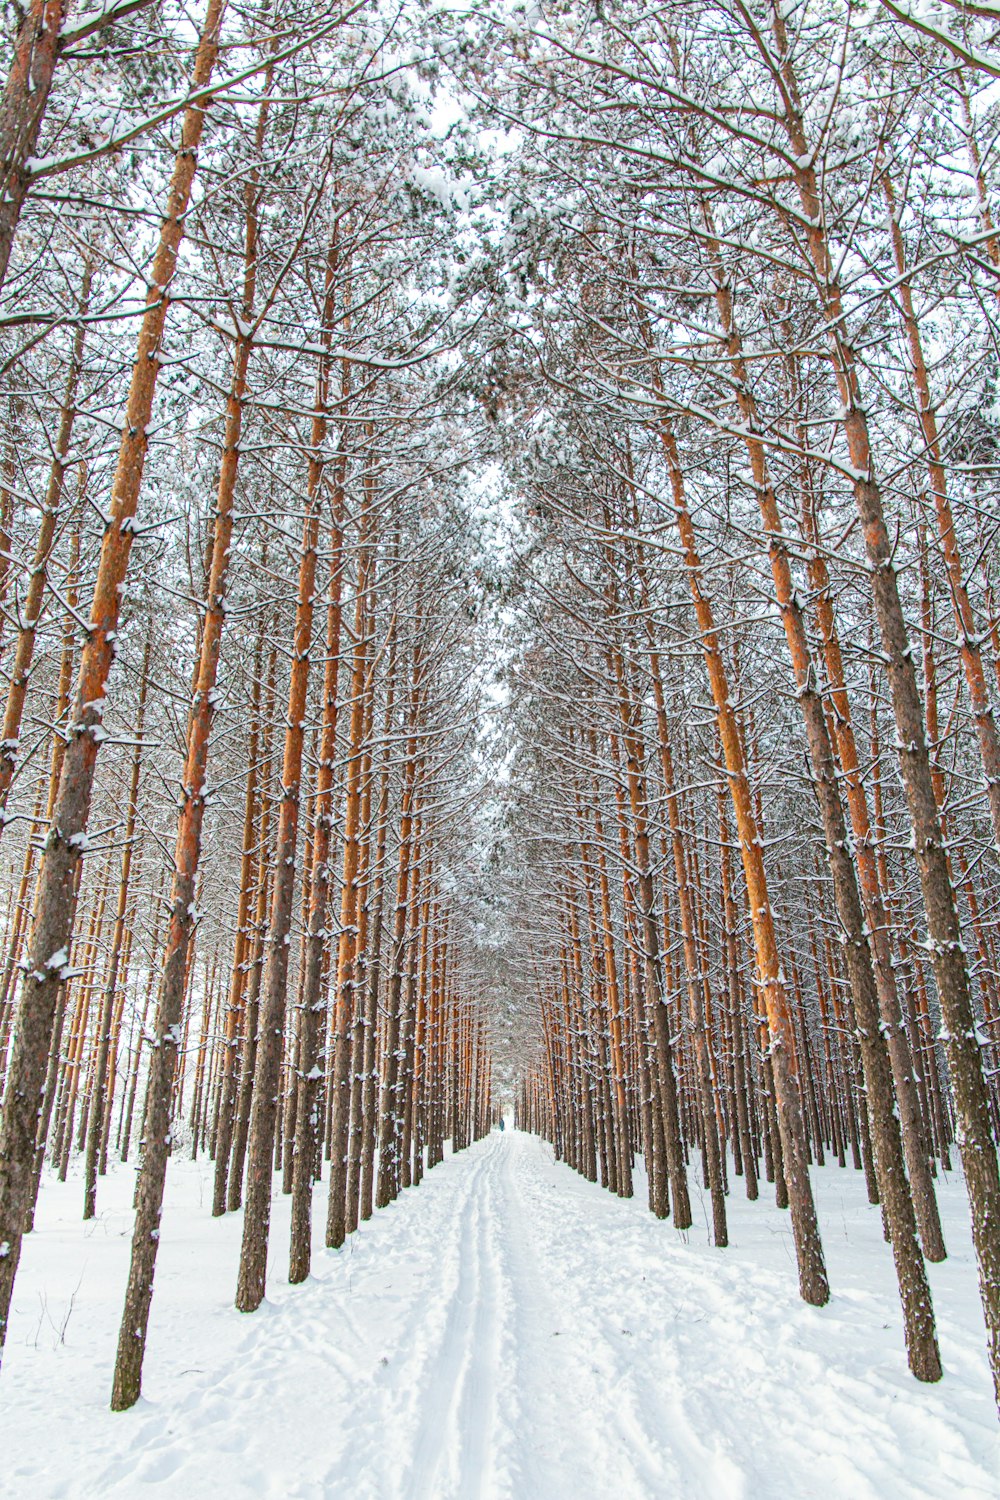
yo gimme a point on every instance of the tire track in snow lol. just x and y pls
(446, 1395)
(477, 1408)
(392, 1429)
(440, 1434)
(573, 1440)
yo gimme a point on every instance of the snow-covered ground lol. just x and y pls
(505, 1330)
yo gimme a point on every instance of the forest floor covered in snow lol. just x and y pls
(504, 1330)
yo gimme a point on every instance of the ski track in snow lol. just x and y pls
(505, 1332)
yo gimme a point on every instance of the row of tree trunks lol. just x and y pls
(53, 924)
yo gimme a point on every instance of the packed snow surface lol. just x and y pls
(504, 1330)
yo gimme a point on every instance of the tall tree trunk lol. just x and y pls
(95, 1129)
(22, 109)
(312, 1013)
(913, 1288)
(969, 638)
(241, 948)
(408, 838)
(813, 1283)
(34, 599)
(183, 903)
(924, 1199)
(263, 1112)
(369, 1098)
(653, 980)
(347, 948)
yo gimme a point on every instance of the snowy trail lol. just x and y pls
(505, 1332)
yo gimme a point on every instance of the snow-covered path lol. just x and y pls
(506, 1330)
